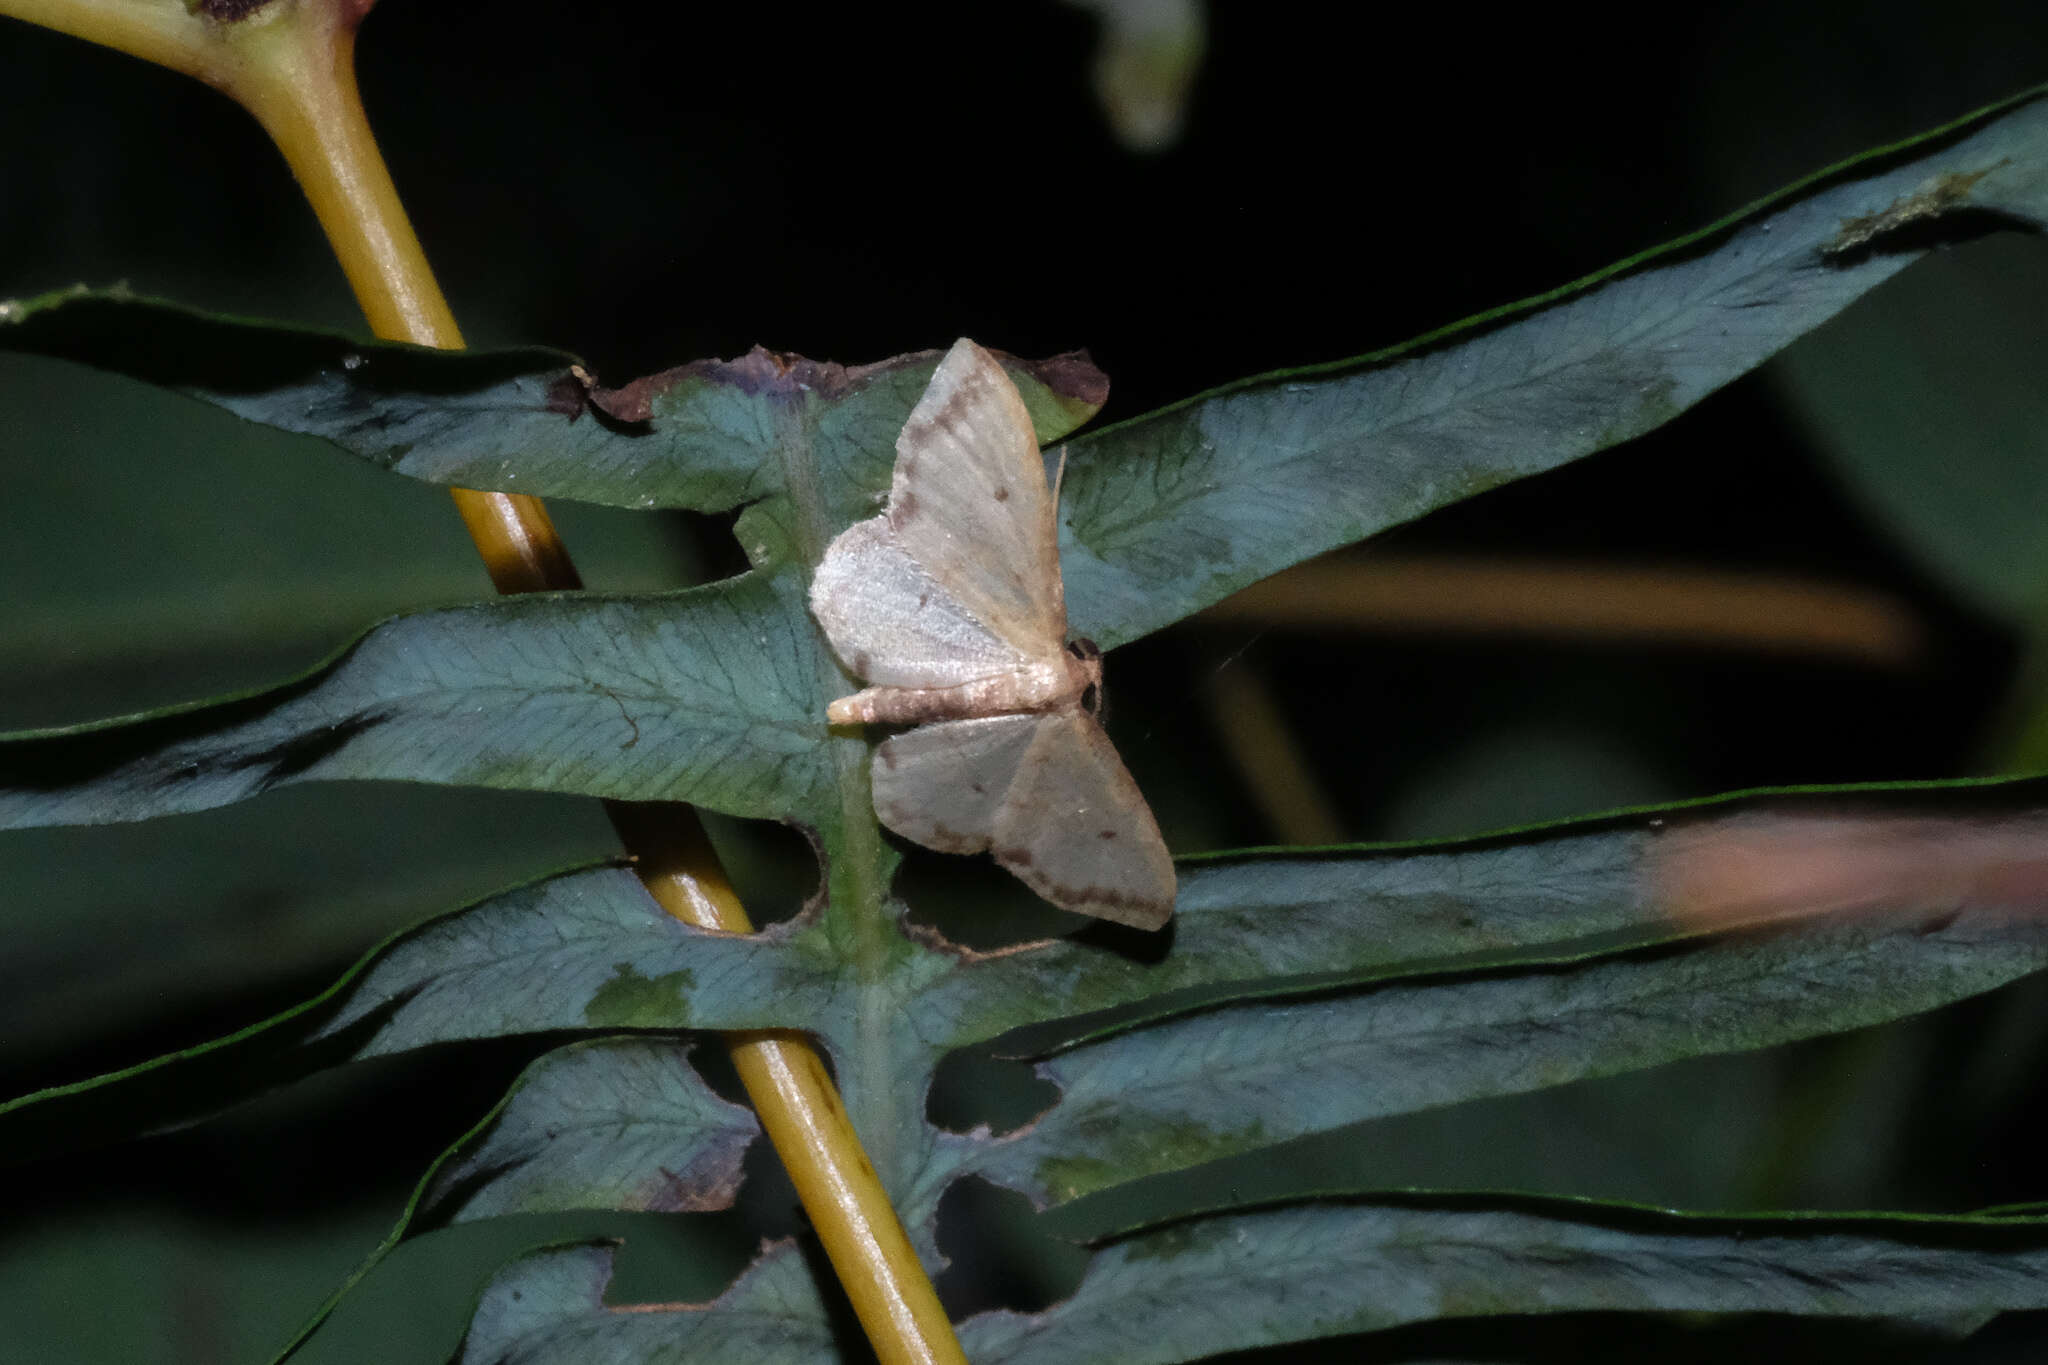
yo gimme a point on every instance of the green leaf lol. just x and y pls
(548, 1309)
(1172, 512)
(1167, 513)
(1246, 1076)
(1219, 1282)
(1163, 515)
(590, 950)
(705, 695)
(585, 951)
(710, 435)
(715, 696)
(1227, 1281)
(609, 958)
(1334, 914)
(611, 1123)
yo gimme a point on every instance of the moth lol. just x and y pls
(950, 604)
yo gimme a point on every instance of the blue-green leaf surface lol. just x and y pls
(1229, 1281)
(1295, 993)
(710, 435)
(704, 695)
(1331, 913)
(611, 1123)
(590, 949)
(1168, 513)
(548, 1309)
(1236, 1280)
(1244, 1076)
(587, 951)
(1161, 516)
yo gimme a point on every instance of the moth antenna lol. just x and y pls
(1208, 676)
(1058, 475)
(1235, 654)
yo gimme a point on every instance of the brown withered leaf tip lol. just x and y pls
(569, 395)
(1071, 375)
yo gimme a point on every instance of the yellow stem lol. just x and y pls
(292, 64)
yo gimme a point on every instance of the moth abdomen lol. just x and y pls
(1037, 687)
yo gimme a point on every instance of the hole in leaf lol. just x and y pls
(664, 1258)
(1000, 1255)
(973, 902)
(767, 1200)
(772, 866)
(972, 1087)
(713, 542)
(713, 1065)
(632, 550)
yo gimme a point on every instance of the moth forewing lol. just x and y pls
(951, 602)
(969, 502)
(893, 623)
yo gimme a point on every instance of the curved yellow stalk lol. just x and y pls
(291, 64)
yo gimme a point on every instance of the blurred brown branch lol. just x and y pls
(1704, 607)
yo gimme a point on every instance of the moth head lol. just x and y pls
(1087, 656)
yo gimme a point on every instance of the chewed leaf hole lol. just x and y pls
(974, 903)
(971, 1088)
(714, 538)
(773, 866)
(1000, 1255)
